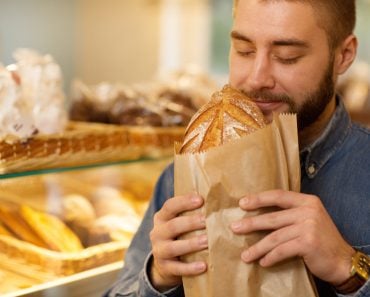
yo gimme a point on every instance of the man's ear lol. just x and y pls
(346, 54)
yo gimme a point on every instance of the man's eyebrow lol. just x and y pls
(290, 42)
(280, 42)
(238, 36)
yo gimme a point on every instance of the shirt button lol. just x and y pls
(312, 169)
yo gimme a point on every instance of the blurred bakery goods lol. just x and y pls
(169, 100)
(31, 96)
(108, 200)
(77, 208)
(355, 90)
(113, 228)
(11, 218)
(52, 230)
(77, 213)
(39, 228)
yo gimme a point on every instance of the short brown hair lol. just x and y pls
(336, 17)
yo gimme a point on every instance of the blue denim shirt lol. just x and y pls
(336, 168)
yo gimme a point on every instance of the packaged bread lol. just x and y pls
(223, 161)
(228, 115)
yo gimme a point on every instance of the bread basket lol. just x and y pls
(87, 143)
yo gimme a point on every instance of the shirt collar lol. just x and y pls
(315, 156)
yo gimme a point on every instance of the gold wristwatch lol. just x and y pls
(360, 273)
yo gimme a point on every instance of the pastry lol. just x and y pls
(113, 228)
(77, 208)
(108, 200)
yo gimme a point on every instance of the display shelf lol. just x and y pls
(90, 283)
(80, 167)
(117, 192)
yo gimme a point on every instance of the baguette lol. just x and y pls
(52, 230)
(10, 218)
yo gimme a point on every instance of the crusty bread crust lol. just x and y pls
(228, 115)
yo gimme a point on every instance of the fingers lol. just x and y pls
(177, 205)
(274, 247)
(279, 198)
(269, 221)
(167, 248)
(178, 226)
(184, 269)
(174, 249)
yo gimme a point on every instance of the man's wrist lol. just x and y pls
(156, 279)
(343, 270)
(358, 274)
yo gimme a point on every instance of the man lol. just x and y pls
(287, 56)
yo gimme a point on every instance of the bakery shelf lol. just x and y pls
(39, 271)
(81, 167)
(90, 283)
(83, 144)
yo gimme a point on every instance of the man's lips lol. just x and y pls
(268, 106)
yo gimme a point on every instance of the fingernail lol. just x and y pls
(195, 199)
(203, 240)
(245, 256)
(244, 202)
(203, 220)
(236, 226)
(200, 266)
(262, 262)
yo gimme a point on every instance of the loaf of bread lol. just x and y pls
(39, 228)
(51, 229)
(228, 115)
(11, 219)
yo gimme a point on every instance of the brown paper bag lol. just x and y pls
(267, 159)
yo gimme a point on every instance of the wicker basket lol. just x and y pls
(58, 263)
(87, 143)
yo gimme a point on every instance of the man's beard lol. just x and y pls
(314, 103)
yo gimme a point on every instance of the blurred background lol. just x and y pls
(133, 41)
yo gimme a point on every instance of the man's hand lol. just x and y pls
(167, 268)
(300, 227)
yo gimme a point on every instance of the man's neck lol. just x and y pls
(309, 134)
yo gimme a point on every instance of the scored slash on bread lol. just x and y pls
(228, 115)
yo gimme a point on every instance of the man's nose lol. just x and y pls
(260, 76)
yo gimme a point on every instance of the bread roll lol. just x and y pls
(77, 208)
(228, 115)
(108, 200)
(113, 228)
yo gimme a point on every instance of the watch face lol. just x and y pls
(362, 265)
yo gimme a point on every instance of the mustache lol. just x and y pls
(264, 95)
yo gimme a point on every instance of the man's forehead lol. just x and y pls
(281, 19)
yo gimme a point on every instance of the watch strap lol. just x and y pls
(351, 285)
(359, 274)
